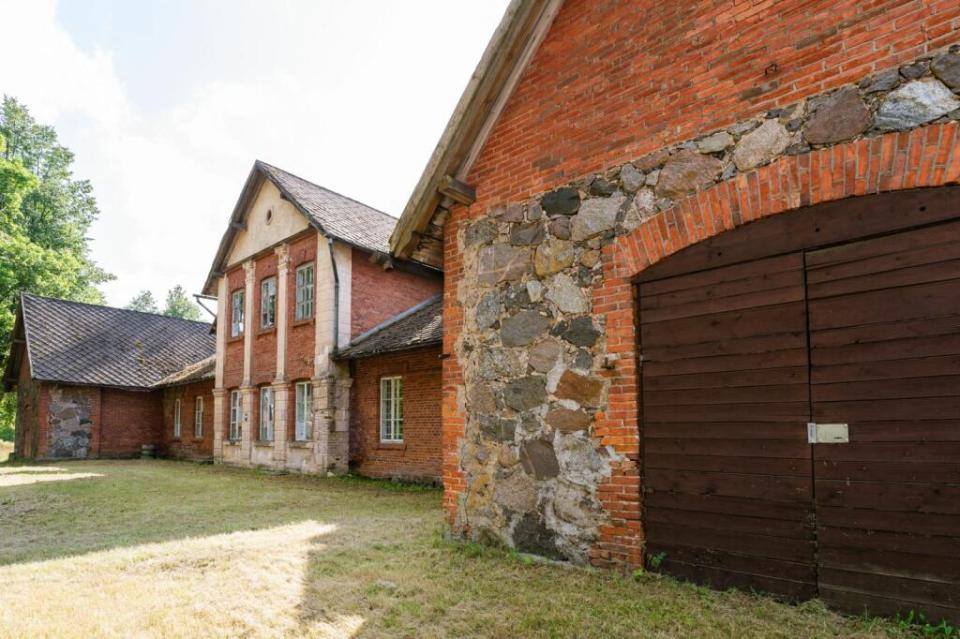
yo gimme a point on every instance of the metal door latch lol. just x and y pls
(827, 433)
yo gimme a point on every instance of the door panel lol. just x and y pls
(728, 489)
(885, 359)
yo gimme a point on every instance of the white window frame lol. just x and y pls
(266, 414)
(236, 313)
(236, 414)
(268, 302)
(177, 425)
(198, 418)
(305, 279)
(304, 411)
(391, 409)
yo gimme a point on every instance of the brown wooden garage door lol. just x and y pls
(885, 355)
(729, 496)
(737, 359)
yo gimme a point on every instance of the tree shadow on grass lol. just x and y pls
(138, 502)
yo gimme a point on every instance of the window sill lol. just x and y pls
(267, 330)
(393, 445)
(261, 443)
(175, 440)
(232, 442)
(299, 444)
(235, 338)
(302, 322)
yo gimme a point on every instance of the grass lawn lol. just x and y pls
(154, 548)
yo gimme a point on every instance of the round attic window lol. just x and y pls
(269, 215)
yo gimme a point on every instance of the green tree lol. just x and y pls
(179, 305)
(45, 215)
(144, 301)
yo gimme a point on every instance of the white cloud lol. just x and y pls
(355, 108)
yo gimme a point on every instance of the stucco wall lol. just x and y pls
(259, 234)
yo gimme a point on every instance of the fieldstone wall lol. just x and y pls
(533, 353)
(70, 418)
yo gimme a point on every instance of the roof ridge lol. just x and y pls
(113, 308)
(327, 189)
(393, 320)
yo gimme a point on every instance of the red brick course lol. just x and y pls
(617, 80)
(419, 456)
(300, 334)
(129, 419)
(187, 446)
(378, 295)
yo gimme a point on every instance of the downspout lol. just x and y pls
(336, 297)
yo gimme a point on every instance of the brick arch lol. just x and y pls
(924, 157)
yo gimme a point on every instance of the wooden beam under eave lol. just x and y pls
(459, 192)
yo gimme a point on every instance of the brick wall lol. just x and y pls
(187, 446)
(129, 419)
(615, 79)
(233, 357)
(419, 456)
(300, 334)
(264, 365)
(378, 295)
(617, 82)
(28, 413)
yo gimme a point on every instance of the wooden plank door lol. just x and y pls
(885, 354)
(727, 466)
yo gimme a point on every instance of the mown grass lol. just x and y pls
(153, 548)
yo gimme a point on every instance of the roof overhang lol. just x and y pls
(443, 182)
(18, 351)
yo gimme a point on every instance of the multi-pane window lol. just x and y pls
(268, 302)
(198, 418)
(236, 410)
(304, 292)
(266, 414)
(176, 418)
(391, 409)
(304, 411)
(236, 313)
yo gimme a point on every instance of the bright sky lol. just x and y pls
(167, 104)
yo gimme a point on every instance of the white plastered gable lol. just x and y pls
(284, 221)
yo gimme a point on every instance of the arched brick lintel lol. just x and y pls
(924, 157)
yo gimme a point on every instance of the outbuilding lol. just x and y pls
(701, 263)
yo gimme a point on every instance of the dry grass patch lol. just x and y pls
(162, 549)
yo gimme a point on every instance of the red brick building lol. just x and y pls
(691, 304)
(398, 359)
(301, 272)
(95, 382)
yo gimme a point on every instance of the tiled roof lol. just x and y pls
(419, 326)
(197, 372)
(75, 343)
(339, 216)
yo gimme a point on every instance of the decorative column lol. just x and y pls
(219, 392)
(247, 389)
(281, 388)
